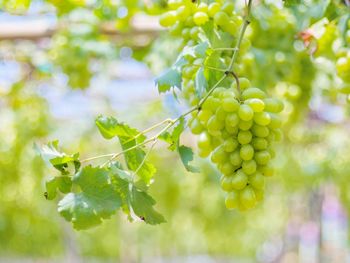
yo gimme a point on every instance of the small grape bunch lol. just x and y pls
(238, 132)
(186, 18)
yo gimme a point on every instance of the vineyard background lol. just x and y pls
(60, 68)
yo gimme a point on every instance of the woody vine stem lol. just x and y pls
(171, 122)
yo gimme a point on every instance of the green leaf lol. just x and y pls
(174, 137)
(142, 205)
(169, 79)
(172, 77)
(129, 138)
(61, 161)
(61, 183)
(215, 38)
(97, 200)
(200, 50)
(201, 83)
(109, 128)
(186, 155)
(135, 200)
(121, 181)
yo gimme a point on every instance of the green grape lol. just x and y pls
(266, 170)
(196, 127)
(260, 131)
(247, 197)
(232, 130)
(249, 167)
(230, 105)
(232, 28)
(244, 83)
(232, 200)
(262, 118)
(204, 141)
(202, 7)
(214, 124)
(246, 152)
(216, 142)
(257, 181)
(231, 120)
(259, 143)
(276, 121)
(230, 144)
(219, 155)
(221, 114)
(168, 19)
(245, 112)
(227, 168)
(211, 104)
(176, 29)
(228, 8)
(204, 153)
(183, 12)
(262, 157)
(259, 194)
(225, 135)
(253, 93)
(226, 183)
(221, 18)
(273, 105)
(239, 180)
(244, 137)
(245, 125)
(200, 18)
(235, 158)
(257, 105)
(213, 9)
(204, 116)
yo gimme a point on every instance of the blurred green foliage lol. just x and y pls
(314, 155)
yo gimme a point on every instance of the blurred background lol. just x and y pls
(62, 63)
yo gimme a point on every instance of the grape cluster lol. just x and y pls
(186, 18)
(238, 131)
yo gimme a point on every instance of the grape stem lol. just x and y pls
(171, 122)
(246, 23)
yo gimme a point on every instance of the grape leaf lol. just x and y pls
(61, 183)
(142, 205)
(109, 128)
(134, 199)
(97, 200)
(186, 155)
(61, 161)
(201, 83)
(215, 38)
(129, 138)
(200, 50)
(173, 138)
(171, 78)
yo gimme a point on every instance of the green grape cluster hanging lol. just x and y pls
(186, 17)
(238, 132)
(186, 20)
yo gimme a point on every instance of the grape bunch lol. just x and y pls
(238, 132)
(186, 18)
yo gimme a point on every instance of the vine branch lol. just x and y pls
(198, 107)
